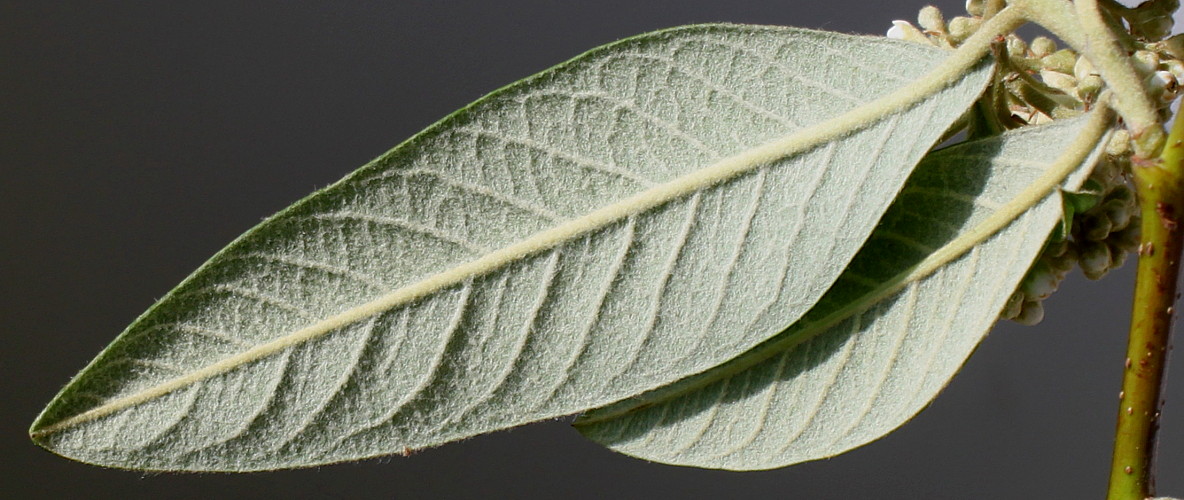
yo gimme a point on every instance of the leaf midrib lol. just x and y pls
(948, 71)
(1095, 130)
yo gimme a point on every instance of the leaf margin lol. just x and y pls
(1074, 163)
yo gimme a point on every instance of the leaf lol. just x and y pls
(636, 215)
(898, 324)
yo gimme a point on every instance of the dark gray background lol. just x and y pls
(140, 137)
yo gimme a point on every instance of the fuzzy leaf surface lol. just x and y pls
(862, 363)
(634, 216)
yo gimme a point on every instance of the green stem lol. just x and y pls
(1160, 185)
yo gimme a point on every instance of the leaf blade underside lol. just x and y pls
(540, 252)
(885, 360)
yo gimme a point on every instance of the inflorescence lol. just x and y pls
(1038, 82)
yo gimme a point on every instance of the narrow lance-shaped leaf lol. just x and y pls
(898, 324)
(634, 216)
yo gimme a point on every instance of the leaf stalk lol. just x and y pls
(1112, 60)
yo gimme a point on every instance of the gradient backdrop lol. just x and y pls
(137, 138)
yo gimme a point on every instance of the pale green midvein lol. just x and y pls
(1056, 16)
(1099, 123)
(950, 70)
(1116, 67)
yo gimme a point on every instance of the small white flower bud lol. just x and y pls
(1042, 46)
(1145, 61)
(1040, 281)
(1127, 239)
(1117, 256)
(1120, 143)
(1175, 67)
(960, 28)
(1061, 61)
(1094, 259)
(1056, 248)
(1082, 68)
(1031, 314)
(1164, 78)
(976, 7)
(1013, 306)
(903, 30)
(1064, 263)
(1016, 46)
(1089, 87)
(1119, 214)
(931, 19)
(1164, 85)
(1095, 227)
(1059, 81)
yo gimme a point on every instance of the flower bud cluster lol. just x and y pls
(1162, 74)
(1101, 227)
(1041, 82)
(933, 29)
(1045, 82)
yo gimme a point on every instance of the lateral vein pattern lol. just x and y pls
(444, 290)
(862, 363)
